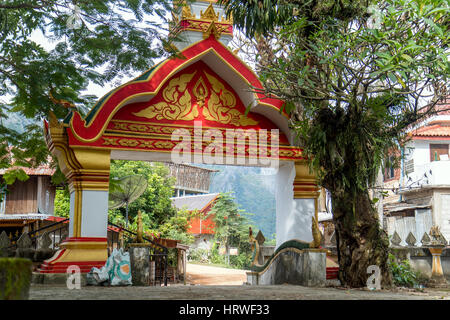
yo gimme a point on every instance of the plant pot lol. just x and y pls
(15, 278)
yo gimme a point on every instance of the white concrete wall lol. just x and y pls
(421, 153)
(442, 213)
(94, 218)
(293, 215)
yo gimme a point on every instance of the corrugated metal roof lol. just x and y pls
(43, 170)
(197, 202)
(401, 206)
(26, 216)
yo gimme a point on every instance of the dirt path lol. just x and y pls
(209, 275)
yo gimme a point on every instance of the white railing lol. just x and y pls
(430, 174)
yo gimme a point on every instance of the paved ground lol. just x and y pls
(199, 292)
(227, 286)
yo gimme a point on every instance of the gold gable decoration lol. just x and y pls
(221, 105)
(177, 104)
(173, 107)
(213, 29)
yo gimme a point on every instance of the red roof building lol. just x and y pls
(203, 203)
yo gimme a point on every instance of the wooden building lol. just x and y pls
(27, 204)
(190, 179)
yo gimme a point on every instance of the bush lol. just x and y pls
(402, 274)
(198, 255)
(15, 278)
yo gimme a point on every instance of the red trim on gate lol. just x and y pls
(61, 267)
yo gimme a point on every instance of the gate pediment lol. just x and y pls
(210, 86)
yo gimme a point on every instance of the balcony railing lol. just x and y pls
(435, 173)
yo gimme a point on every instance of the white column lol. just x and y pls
(294, 213)
(94, 214)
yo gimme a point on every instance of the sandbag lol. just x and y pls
(116, 271)
(120, 275)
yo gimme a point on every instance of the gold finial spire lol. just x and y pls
(209, 14)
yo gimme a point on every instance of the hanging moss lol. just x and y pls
(15, 278)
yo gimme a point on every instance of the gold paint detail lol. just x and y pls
(186, 11)
(200, 92)
(80, 253)
(214, 29)
(84, 245)
(305, 185)
(173, 107)
(209, 14)
(220, 106)
(124, 101)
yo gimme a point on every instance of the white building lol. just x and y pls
(421, 186)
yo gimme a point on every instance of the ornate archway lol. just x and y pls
(179, 104)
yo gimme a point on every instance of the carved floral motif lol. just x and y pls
(177, 102)
(218, 103)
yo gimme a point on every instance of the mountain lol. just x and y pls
(17, 122)
(254, 191)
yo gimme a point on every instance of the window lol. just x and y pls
(438, 152)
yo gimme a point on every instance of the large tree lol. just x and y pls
(354, 76)
(51, 50)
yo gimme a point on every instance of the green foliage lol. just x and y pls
(262, 17)
(352, 87)
(155, 201)
(62, 203)
(213, 257)
(176, 227)
(254, 191)
(15, 278)
(231, 230)
(120, 37)
(230, 222)
(402, 273)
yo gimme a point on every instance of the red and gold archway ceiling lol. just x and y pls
(181, 93)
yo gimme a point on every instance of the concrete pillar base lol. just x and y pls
(84, 252)
(140, 264)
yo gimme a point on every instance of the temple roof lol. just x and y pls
(197, 202)
(143, 88)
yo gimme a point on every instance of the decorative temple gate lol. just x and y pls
(178, 105)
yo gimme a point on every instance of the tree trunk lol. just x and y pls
(361, 241)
